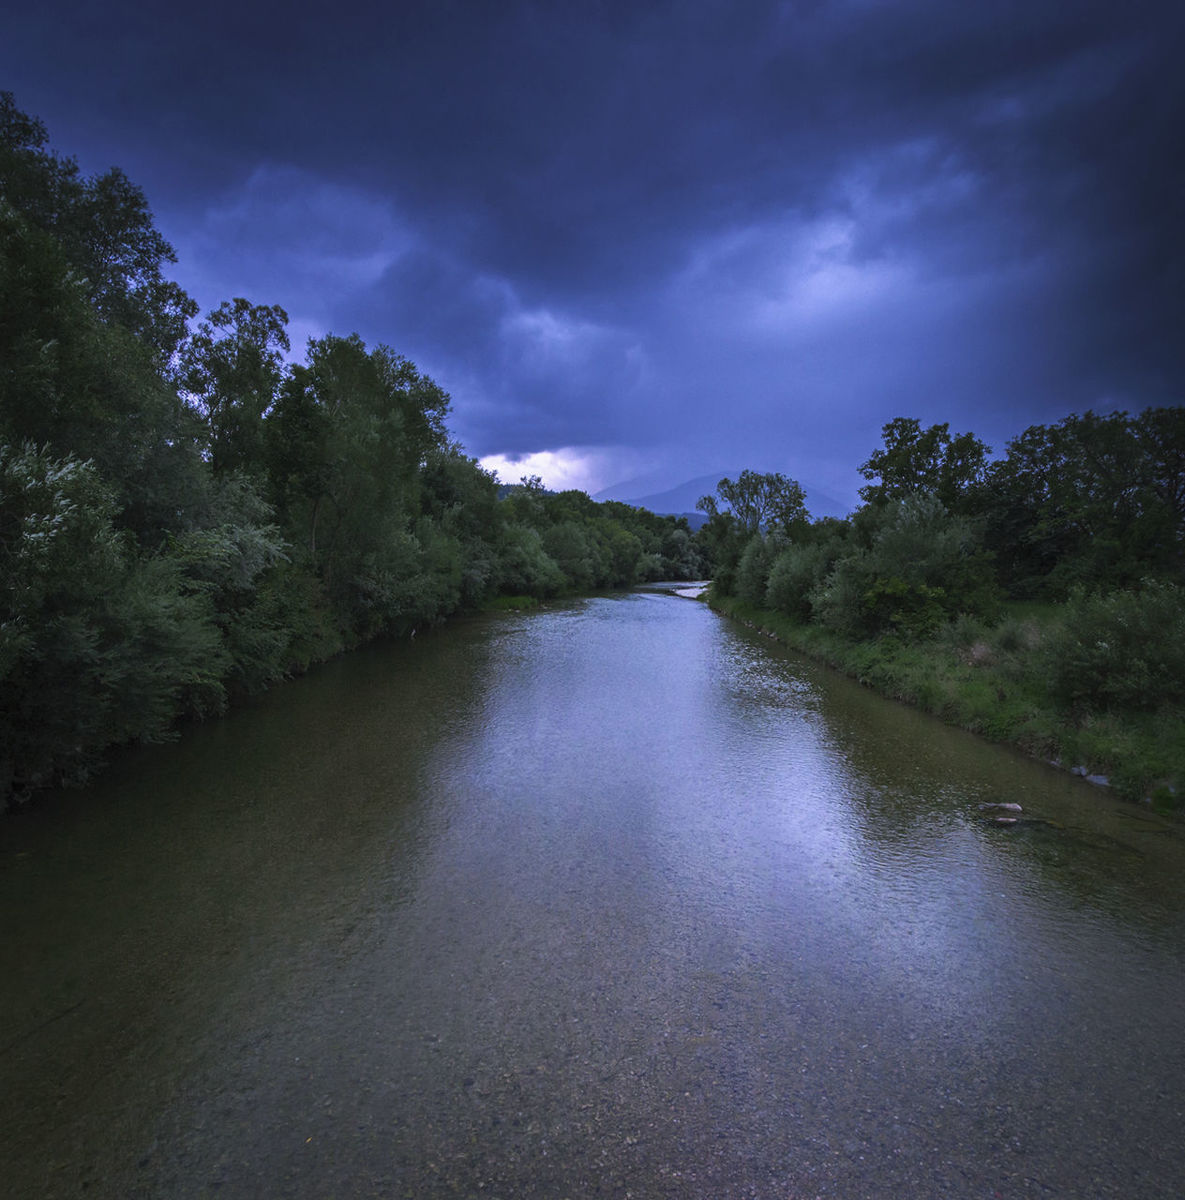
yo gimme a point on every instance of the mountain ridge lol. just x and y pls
(680, 500)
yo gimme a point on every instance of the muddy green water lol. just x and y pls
(616, 899)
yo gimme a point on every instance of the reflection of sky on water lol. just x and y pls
(696, 772)
(679, 857)
(906, 894)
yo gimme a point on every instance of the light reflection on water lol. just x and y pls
(614, 898)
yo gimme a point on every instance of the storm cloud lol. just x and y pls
(661, 239)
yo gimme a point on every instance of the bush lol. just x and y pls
(753, 570)
(523, 567)
(796, 573)
(921, 566)
(97, 645)
(914, 610)
(1123, 650)
(838, 601)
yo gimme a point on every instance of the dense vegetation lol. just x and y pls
(1037, 598)
(187, 515)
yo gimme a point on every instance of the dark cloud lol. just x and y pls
(668, 231)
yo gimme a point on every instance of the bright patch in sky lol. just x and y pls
(775, 279)
(584, 469)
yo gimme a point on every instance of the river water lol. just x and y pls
(614, 899)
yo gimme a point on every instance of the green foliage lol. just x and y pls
(585, 545)
(965, 677)
(186, 517)
(104, 229)
(524, 566)
(625, 555)
(510, 603)
(914, 610)
(96, 646)
(224, 562)
(921, 565)
(577, 554)
(760, 503)
(232, 369)
(346, 442)
(721, 541)
(85, 388)
(1125, 650)
(797, 571)
(412, 578)
(838, 602)
(752, 578)
(1096, 501)
(929, 461)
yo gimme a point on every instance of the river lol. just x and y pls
(612, 899)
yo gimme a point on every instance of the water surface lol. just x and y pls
(616, 899)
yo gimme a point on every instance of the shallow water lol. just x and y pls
(614, 899)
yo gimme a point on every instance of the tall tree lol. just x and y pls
(232, 369)
(104, 227)
(760, 502)
(916, 460)
(89, 388)
(347, 441)
(97, 644)
(1096, 499)
(1160, 433)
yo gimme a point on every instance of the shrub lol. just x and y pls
(914, 610)
(796, 572)
(838, 601)
(1123, 650)
(921, 566)
(753, 570)
(523, 566)
(97, 645)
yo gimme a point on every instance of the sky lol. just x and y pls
(643, 242)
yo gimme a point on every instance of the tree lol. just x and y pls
(232, 369)
(90, 388)
(914, 564)
(105, 229)
(1097, 499)
(348, 440)
(797, 571)
(1123, 650)
(915, 460)
(97, 645)
(760, 502)
(753, 568)
(1160, 434)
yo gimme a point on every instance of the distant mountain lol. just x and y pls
(682, 498)
(675, 502)
(680, 501)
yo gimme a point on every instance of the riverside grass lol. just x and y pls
(983, 678)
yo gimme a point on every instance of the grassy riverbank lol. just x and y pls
(984, 678)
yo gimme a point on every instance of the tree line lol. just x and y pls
(1084, 519)
(188, 515)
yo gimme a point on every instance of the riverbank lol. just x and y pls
(982, 680)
